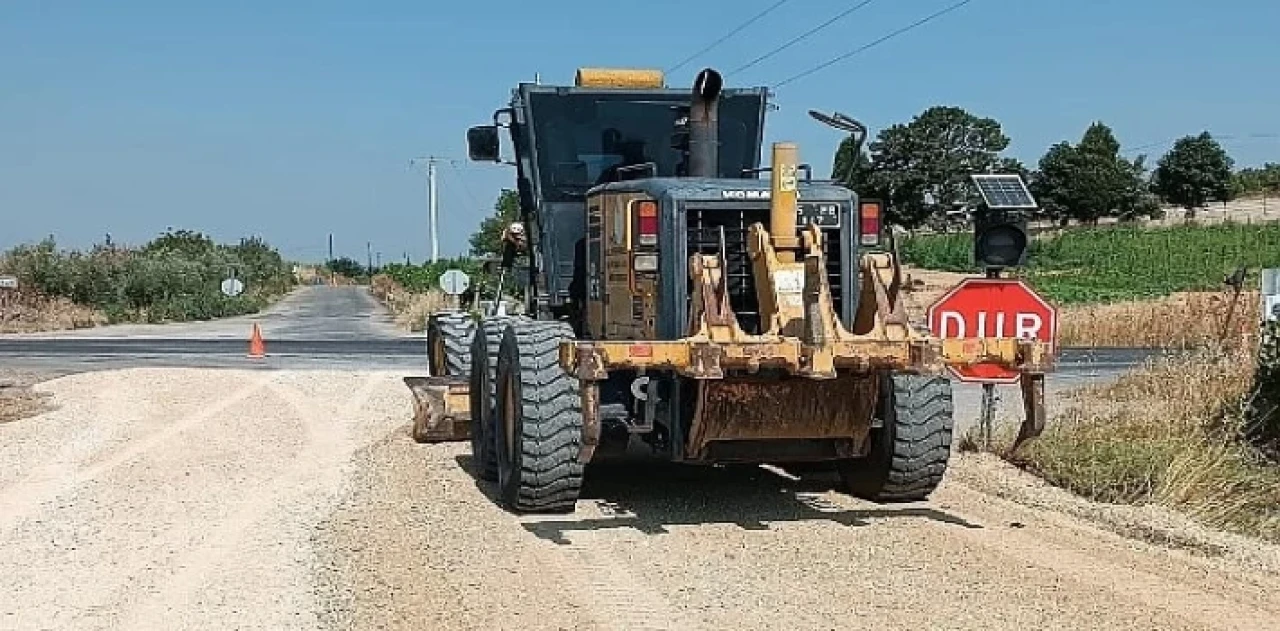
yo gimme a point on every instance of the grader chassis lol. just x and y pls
(717, 317)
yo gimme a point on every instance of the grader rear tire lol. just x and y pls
(484, 366)
(909, 454)
(448, 338)
(539, 420)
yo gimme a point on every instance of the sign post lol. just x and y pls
(8, 282)
(987, 308)
(453, 282)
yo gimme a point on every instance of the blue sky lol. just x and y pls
(294, 119)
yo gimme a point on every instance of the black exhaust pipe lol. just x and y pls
(704, 125)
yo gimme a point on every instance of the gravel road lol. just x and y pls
(215, 499)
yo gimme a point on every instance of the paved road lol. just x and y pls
(344, 327)
(314, 327)
(312, 313)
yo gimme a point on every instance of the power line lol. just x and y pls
(735, 31)
(909, 27)
(802, 36)
(465, 187)
(1223, 137)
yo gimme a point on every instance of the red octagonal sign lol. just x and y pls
(992, 307)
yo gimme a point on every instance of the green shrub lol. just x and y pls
(175, 277)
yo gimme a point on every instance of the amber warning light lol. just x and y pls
(870, 223)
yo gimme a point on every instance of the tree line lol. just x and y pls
(921, 169)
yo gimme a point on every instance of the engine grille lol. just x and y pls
(703, 235)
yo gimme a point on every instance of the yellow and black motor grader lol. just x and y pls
(677, 297)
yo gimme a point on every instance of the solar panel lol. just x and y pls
(1004, 191)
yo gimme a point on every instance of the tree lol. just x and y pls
(935, 153)
(346, 266)
(1195, 171)
(1090, 180)
(487, 241)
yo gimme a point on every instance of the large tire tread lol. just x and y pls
(455, 331)
(548, 477)
(909, 455)
(484, 357)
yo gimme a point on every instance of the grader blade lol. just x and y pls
(740, 416)
(441, 409)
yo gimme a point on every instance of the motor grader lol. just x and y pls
(677, 297)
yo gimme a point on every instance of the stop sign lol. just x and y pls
(992, 307)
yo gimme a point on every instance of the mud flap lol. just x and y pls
(441, 409)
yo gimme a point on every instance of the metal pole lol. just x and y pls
(987, 419)
(431, 183)
(988, 414)
(368, 248)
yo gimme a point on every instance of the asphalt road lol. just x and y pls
(345, 328)
(313, 327)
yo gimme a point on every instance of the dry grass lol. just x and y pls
(27, 312)
(1182, 321)
(1169, 435)
(411, 309)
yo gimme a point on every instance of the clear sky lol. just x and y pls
(293, 119)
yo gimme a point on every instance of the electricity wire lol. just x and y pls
(730, 34)
(910, 27)
(801, 37)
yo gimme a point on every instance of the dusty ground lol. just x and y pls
(17, 399)
(292, 499)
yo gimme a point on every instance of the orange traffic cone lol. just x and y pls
(257, 349)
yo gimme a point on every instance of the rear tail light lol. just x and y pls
(870, 223)
(647, 223)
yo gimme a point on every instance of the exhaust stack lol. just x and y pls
(704, 125)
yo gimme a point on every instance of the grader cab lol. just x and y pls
(677, 298)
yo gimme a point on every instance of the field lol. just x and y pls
(1116, 263)
(1133, 286)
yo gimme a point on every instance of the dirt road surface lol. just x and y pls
(217, 499)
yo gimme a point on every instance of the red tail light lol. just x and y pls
(871, 224)
(647, 223)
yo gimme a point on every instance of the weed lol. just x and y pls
(1170, 434)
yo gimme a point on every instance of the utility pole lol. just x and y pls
(332, 275)
(368, 247)
(434, 204)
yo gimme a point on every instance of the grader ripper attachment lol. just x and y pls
(679, 300)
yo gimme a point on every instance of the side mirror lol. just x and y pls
(482, 143)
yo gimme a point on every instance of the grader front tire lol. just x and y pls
(539, 414)
(909, 454)
(448, 338)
